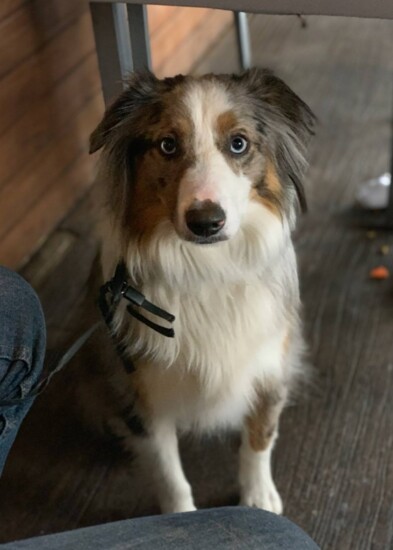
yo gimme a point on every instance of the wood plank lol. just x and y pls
(7, 7)
(18, 200)
(21, 89)
(39, 128)
(173, 28)
(61, 253)
(159, 16)
(25, 238)
(76, 239)
(200, 40)
(337, 480)
(33, 25)
(181, 26)
(43, 264)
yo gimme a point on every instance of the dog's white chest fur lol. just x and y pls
(226, 340)
(230, 328)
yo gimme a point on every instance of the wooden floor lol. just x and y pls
(334, 459)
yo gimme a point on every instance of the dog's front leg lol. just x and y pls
(259, 433)
(162, 451)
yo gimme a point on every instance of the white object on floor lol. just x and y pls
(374, 194)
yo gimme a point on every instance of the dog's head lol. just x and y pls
(198, 151)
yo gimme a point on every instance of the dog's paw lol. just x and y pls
(178, 507)
(264, 496)
(180, 503)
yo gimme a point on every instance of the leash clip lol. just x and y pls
(119, 288)
(138, 299)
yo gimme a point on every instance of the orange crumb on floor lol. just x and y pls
(380, 272)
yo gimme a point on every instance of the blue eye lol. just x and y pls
(168, 145)
(238, 145)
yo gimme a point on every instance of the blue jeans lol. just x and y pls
(22, 350)
(232, 528)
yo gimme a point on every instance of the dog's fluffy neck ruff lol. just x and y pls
(184, 267)
(233, 285)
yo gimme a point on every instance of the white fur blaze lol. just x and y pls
(211, 178)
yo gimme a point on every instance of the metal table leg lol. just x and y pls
(122, 43)
(139, 33)
(243, 39)
(389, 209)
(113, 50)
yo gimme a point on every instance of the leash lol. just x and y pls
(110, 295)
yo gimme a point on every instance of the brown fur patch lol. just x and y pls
(155, 189)
(230, 124)
(271, 179)
(269, 191)
(150, 194)
(263, 421)
(226, 123)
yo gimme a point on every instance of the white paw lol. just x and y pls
(177, 504)
(263, 496)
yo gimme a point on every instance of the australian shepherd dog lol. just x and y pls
(201, 180)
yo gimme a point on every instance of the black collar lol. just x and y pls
(119, 288)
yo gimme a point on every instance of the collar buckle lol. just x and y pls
(119, 288)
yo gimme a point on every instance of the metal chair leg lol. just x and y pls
(122, 42)
(112, 44)
(389, 209)
(139, 33)
(124, 47)
(243, 39)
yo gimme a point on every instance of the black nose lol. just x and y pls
(205, 218)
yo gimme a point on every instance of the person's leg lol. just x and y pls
(218, 528)
(22, 351)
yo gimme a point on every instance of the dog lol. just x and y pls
(202, 181)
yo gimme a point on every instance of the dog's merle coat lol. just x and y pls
(226, 146)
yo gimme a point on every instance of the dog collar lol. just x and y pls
(117, 289)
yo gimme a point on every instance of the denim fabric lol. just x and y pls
(230, 528)
(22, 351)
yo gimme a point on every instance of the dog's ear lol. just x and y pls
(271, 90)
(285, 120)
(140, 91)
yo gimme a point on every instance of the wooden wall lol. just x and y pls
(50, 100)
(180, 36)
